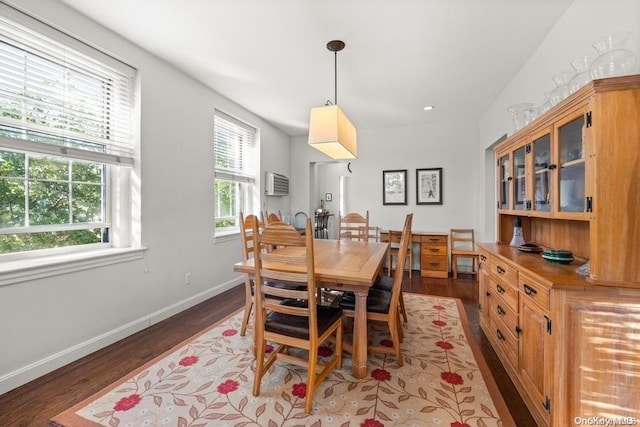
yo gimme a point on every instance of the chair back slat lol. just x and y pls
(353, 226)
(291, 249)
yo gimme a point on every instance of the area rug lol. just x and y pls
(207, 381)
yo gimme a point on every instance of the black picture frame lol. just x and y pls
(429, 186)
(394, 187)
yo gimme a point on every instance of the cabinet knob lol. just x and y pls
(499, 334)
(500, 289)
(529, 290)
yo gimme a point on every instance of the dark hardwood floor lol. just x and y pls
(36, 402)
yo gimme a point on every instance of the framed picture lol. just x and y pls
(429, 186)
(328, 197)
(394, 187)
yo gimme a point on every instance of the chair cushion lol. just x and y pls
(298, 326)
(378, 301)
(383, 283)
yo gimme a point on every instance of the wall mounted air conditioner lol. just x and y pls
(277, 185)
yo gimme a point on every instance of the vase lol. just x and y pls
(583, 75)
(613, 59)
(561, 90)
(517, 114)
(546, 106)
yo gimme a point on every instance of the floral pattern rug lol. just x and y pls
(207, 381)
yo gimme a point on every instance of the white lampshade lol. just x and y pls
(331, 132)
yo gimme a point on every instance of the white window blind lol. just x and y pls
(57, 100)
(234, 149)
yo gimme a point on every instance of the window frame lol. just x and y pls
(247, 175)
(119, 168)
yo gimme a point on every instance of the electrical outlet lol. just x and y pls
(187, 278)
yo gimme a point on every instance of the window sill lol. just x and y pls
(37, 268)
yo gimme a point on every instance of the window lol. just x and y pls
(236, 159)
(66, 144)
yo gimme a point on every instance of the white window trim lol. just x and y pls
(33, 268)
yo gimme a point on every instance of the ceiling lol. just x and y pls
(270, 56)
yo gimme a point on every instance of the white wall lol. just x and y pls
(46, 323)
(584, 22)
(446, 145)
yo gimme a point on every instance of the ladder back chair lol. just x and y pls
(394, 252)
(463, 245)
(384, 305)
(353, 226)
(298, 321)
(272, 217)
(246, 234)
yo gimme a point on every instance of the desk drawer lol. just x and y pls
(434, 250)
(434, 240)
(434, 263)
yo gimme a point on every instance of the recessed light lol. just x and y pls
(429, 108)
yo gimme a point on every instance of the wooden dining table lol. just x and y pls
(346, 266)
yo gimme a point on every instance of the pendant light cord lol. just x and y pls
(335, 96)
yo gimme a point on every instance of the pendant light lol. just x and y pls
(330, 130)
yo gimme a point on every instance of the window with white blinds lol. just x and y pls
(236, 167)
(66, 142)
(56, 99)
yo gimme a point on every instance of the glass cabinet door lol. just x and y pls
(571, 165)
(504, 176)
(542, 189)
(519, 187)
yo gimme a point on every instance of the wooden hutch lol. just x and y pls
(570, 343)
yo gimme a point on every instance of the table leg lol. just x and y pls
(359, 355)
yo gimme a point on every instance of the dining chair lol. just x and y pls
(353, 226)
(394, 250)
(298, 321)
(248, 252)
(268, 218)
(321, 225)
(246, 234)
(300, 221)
(384, 305)
(463, 245)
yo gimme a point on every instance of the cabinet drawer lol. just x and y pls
(505, 271)
(507, 344)
(434, 250)
(484, 257)
(507, 293)
(534, 291)
(438, 263)
(434, 240)
(501, 312)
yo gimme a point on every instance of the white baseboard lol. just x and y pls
(54, 361)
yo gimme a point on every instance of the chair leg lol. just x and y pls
(248, 305)
(389, 261)
(402, 309)
(410, 262)
(454, 266)
(311, 378)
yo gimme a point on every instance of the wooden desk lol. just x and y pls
(346, 266)
(434, 252)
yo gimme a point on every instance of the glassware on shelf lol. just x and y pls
(517, 114)
(546, 106)
(530, 114)
(583, 76)
(562, 87)
(613, 59)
